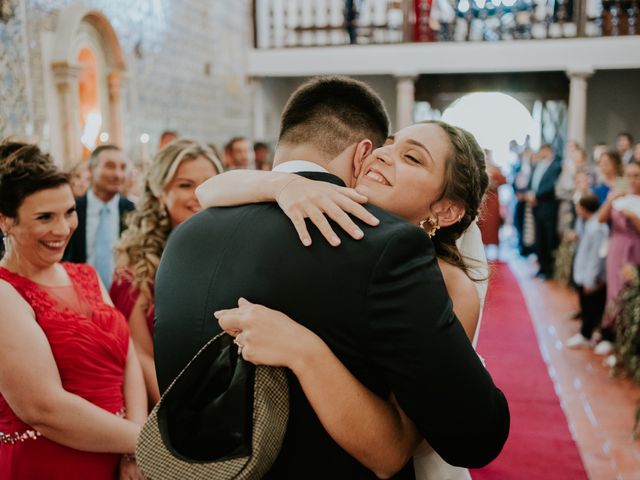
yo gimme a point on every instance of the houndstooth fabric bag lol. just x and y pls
(221, 418)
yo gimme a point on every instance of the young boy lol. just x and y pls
(589, 270)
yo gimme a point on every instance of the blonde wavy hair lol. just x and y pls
(139, 250)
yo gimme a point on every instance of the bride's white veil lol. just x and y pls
(472, 250)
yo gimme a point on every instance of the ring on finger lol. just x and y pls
(239, 344)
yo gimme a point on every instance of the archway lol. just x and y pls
(495, 119)
(87, 64)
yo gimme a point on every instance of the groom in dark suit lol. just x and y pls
(379, 303)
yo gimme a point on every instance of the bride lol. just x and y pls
(439, 171)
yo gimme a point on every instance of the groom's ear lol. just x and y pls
(363, 149)
(448, 212)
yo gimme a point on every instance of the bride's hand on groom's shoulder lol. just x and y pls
(302, 198)
(266, 336)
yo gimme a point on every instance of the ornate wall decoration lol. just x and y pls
(166, 44)
(14, 115)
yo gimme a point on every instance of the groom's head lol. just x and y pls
(332, 121)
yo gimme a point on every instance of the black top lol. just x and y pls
(76, 250)
(379, 303)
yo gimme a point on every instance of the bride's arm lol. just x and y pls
(375, 432)
(298, 197)
(237, 187)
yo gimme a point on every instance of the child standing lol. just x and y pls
(589, 270)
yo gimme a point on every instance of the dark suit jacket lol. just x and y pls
(76, 251)
(546, 194)
(379, 303)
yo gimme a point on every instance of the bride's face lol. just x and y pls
(406, 175)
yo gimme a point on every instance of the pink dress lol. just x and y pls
(624, 247)
(90, 341)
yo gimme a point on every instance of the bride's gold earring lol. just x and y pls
(431, 226)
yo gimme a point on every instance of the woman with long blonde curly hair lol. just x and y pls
(168, 199)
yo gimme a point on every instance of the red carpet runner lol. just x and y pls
(539, 445)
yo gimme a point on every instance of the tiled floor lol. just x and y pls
(600, 409)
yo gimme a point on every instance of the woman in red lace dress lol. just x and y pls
(169, 199)
(72, 397)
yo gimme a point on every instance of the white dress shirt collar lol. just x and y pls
(294, 166)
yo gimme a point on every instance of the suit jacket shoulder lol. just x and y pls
(76, 250)
(125, 206)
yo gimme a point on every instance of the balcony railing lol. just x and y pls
(303, 23)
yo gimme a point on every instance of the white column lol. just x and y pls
(116, 135)
(577, 121)
(259, 113)
(66, 80)
(263, 25)
(405, 91)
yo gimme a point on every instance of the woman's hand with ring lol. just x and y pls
(267, 337)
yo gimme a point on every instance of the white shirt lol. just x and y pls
(628, 202)
(539, 172)
(94, 205)
(295, 166)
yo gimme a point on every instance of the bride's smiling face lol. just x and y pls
(406, 175)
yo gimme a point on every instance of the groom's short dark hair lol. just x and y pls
(332, 113)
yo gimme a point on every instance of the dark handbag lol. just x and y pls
(221, 418)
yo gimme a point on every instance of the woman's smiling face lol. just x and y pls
(406, 175)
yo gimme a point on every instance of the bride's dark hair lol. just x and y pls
(465, 183)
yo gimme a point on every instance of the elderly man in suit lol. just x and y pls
(542, 197)
(101, 212)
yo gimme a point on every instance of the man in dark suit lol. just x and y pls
(542, 197)
(101, 212)
(379, 303)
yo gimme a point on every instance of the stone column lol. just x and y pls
(66, 81)
(577, 121)
(259, 113)
(405, 91)
(116, 135)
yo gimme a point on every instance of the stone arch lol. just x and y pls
(82, 27)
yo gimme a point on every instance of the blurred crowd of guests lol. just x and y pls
(143, 209)
(581, 217)
(111, 221)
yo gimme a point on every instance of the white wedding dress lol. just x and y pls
(427, 463)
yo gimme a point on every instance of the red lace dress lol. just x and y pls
(89, 340)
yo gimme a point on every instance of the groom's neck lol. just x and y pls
(309, 153)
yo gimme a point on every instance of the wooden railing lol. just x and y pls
(297, 23)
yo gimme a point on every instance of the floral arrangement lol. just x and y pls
(563, 260)
(627, 347)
